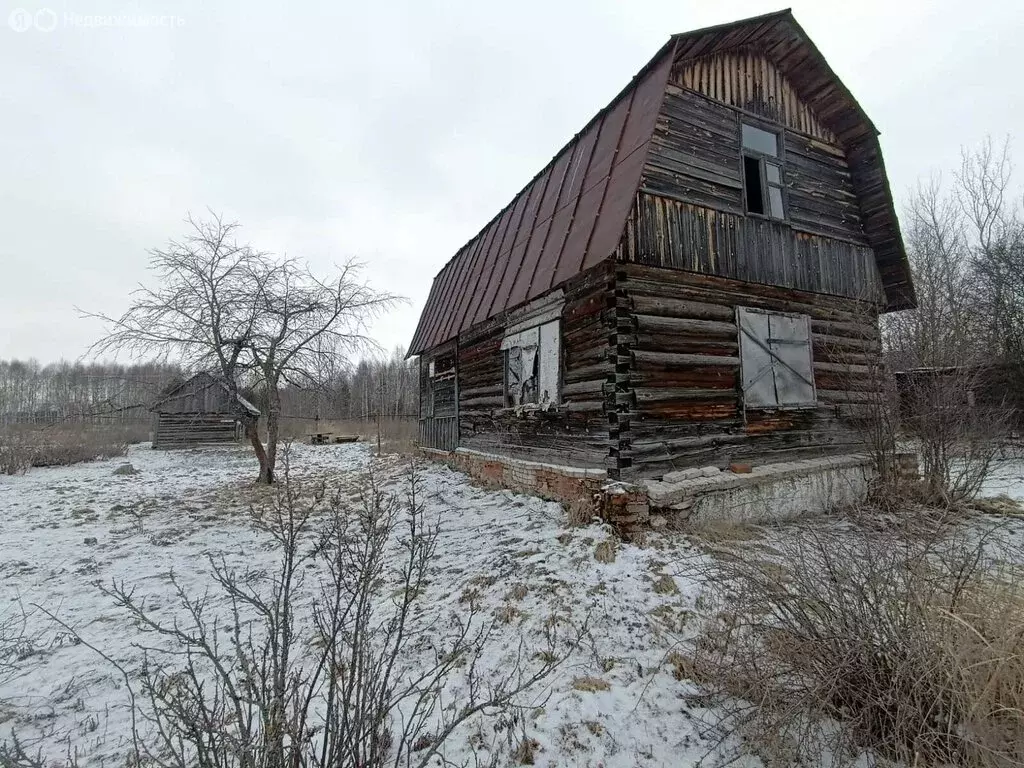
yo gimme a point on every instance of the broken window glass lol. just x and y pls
(762, 174)
(531, 366)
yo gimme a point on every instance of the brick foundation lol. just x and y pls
(587, 490)
(746, 494)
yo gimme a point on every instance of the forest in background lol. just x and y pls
(114, 393)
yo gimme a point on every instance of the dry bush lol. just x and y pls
(947, 416)
(905, 643)
(348, 673)
(16, 453)
(15, 642)
(956, 434)
(58, 446)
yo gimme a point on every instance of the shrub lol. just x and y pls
(15, 454)
(51, 447)
(326, 674)
(905, 643)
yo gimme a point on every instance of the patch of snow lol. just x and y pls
(184, 506)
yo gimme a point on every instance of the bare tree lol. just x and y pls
(223, 306)
(997, 263)
(943, 329)
(965, 242)
(302, 323)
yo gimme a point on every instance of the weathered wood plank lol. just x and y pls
(675, 360)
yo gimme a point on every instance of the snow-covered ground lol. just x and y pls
(64, 532)
(1006, 478)
(183, 506)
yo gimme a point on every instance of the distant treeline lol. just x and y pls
(36, 393)
(33, 393)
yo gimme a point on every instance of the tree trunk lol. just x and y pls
(253, 434)
(273, 429)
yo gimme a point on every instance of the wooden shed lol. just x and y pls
(200, 411)
(694, 279)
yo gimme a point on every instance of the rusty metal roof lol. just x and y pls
(572, 214)
(567, 219)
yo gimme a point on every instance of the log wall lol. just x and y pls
(690, 210)
(684, 401)
(188, 430)
(573, 433)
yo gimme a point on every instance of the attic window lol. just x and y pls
(762, 173)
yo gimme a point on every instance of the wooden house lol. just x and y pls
(200, 411)
(694, 279)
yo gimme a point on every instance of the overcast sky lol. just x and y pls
(389, 131)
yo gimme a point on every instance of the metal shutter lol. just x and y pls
(775, 356)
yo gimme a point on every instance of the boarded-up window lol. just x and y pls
(531, 366)
(775, 356)
(442, 384)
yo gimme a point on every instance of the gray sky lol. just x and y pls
(390, 131)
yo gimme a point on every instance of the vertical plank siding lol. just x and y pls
(750, 81)
(671, 233)
(438, 400)
(440, 433)
(685, 403)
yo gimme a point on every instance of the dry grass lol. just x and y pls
(589, 684)
(681, 665)
(716, 531)
(396, 435)
(525, 751)
(1001, 505)
(507, 613)
(22, 448)
(906, 643)
(605, 551)
(517, 593)
(665, 585)
(580, 511)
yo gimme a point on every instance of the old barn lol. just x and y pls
(200, 411)
(695, 279)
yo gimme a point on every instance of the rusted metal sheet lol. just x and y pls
(557, 225)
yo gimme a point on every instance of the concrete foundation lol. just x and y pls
(759, 493)
(548, 481)
(766, 493)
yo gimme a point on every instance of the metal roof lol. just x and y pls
(572, 214)
(566, 220)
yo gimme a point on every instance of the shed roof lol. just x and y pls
(201, 381)
(571, 215)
